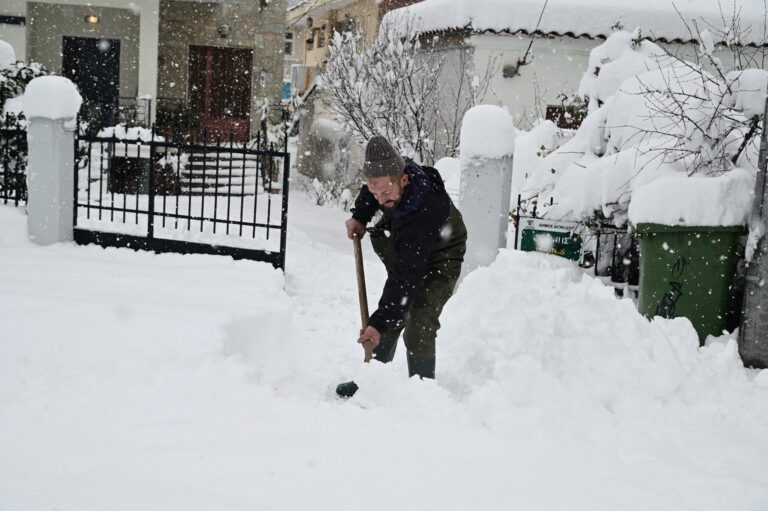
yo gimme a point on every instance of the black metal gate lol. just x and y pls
(135, 189)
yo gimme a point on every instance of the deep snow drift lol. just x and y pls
(134, 381)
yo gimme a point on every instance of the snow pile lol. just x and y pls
(586, 17)
(650, 116)
(7, 55)
(487, 131)
(678, 200)
(133, 381)
(52, 97)
(121, 132)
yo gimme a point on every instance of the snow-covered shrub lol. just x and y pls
(651, 115)
(14, 77)
(401, 89)
(13, 80)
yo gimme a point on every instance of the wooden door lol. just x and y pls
(220, 91)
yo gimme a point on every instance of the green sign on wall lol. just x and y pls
(549, 237)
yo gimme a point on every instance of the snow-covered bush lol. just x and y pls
(14, 78)
(651, 115)
(401, 88)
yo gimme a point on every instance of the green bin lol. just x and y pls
(688, 271)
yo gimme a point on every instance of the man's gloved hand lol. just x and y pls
(371, 334)
(355, 228)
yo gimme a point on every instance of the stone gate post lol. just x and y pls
(51, 104)
(486, 148)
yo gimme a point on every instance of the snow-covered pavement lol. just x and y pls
(132, 381)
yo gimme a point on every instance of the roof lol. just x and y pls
(659, 19)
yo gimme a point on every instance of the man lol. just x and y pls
(421, 239)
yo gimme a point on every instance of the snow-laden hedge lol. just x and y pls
(652, 116)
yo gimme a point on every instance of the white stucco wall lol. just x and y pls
(557, 66)
(149, 11)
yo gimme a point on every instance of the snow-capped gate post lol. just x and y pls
(51, 104)
(486, 148)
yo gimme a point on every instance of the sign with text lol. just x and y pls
(549, 237)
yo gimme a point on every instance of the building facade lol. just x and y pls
(200, 66)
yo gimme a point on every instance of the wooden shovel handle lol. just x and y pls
(362, 296)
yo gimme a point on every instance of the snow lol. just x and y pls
(7, 55)
(51, 97)
(487, 131)
(616, 61)
(747, 91)
(593, 18)
(129, 133)
(130, 380)
(450, 171)
(531, 147)
(13, 106)
(678, 200)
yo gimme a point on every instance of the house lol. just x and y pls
(201, 66)
(312, 24)
(498, 33)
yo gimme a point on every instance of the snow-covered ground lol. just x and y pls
(134, 381)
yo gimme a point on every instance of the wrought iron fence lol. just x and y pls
(611, 252)
(13, 162)
(216, 197)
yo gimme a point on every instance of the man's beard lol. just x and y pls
(390, 205)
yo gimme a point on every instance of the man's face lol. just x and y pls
(388, 190)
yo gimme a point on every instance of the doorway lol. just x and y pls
(93, 64)
(220, 91)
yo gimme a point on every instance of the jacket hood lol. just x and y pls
(415, 192)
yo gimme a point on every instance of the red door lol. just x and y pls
(220, 91)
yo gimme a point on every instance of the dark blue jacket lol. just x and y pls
(421, 239)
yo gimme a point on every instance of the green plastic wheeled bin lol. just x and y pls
(688, 271)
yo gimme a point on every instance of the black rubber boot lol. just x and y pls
(421, 366)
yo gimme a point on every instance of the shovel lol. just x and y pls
(349, 388)
(362, 296)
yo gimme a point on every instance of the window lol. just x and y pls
(346, 25)
(321, 37)
(289, 43)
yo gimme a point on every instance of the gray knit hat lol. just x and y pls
(381, 159)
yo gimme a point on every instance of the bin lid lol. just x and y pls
(647, 228)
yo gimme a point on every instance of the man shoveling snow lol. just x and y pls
(421, 239)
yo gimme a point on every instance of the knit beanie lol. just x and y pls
(381, 159)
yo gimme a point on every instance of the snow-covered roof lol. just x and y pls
(659, 19)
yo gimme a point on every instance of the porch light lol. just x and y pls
(92, 18)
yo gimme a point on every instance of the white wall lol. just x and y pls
(557, 66)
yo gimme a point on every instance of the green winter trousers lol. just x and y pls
(422, 321)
